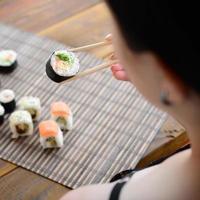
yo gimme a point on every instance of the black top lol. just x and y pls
(116, 191)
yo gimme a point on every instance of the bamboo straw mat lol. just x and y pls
(113, 124)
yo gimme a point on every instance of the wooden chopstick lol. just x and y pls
(90, 71)
(107, 41)
(90, 46)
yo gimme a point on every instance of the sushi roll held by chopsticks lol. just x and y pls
(7, 100)
(50, 134)
(62, 115)
(32, 105)
(2, 112)
(8, 60)
(62, 65)
(21, 123)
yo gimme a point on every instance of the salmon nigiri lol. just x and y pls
(50, 134)
(62, 115)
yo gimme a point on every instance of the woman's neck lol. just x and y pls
(194, 136)
(189, 115)
(192, 125)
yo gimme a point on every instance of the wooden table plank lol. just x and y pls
(6, 167)
(22, 184)
(35, 15)
(165, 150)
(168, 132)
(86, 27)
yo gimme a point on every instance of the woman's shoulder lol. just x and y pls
(171, 179)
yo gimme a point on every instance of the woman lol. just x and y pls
(157, 43)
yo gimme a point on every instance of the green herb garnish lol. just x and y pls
(63, 57)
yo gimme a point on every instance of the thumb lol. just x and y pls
(119, 72)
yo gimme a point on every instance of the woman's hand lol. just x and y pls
(90, 192)
(117, 69)
(119, 72)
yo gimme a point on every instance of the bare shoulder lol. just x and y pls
(91, 192)
(176, 178)
(173, 179)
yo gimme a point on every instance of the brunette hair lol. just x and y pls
(167, 28)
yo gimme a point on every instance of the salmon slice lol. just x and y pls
(60, 109)
(48, 128)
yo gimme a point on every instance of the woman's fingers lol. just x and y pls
(117, 69)
(119, 73)
(108, 38)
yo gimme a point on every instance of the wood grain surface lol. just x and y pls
(6, 167)
(22, 184)
(36, 15)
(88, 26)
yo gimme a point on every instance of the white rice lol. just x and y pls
(64, 68)
(7, 96)
(20, 117)
(6, 61)
(29, 102)
(2, 110)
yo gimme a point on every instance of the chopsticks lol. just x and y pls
(90, 46)
(107, 41)
(90, 71)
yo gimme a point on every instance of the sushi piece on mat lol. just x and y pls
(62, 115)
(62, 65)
(2, 112)
(21, 123)
(50, 134)
(8, 60)
(32, 105)
(7, 100)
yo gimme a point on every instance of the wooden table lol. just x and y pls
(75, 23)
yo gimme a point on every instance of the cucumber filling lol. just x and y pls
(51, 141)
(62, 121)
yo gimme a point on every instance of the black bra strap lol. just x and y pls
(116, 191)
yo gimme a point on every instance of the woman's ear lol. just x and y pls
(172, 88)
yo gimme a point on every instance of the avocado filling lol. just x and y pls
(65, 57)
(22, 128)
(33, 113)
(61, 121)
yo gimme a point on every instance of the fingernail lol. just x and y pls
(117, 65)
(108, 37)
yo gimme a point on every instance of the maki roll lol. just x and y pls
(8, 60)
(62, 115)
(32, 105)
(50, 134)
(62, 65)
(7, 100)
(2, 112)
(21, 123)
